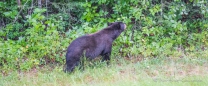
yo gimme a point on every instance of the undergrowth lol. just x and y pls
(161, 71)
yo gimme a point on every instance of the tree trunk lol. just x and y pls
(19, 3)
(47, 8)
(31, 8)
(20, 7)
(39, 4)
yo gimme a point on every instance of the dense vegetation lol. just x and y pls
(36, 32)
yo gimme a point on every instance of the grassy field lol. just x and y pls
(167, 71)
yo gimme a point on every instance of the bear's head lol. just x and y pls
(118, 25)
(116, 29)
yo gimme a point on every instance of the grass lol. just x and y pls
(184, 71)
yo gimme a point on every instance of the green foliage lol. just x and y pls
(32, 36)
(39, 45)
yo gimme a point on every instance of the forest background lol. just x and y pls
(34, 33)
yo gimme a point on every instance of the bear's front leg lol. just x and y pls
(106, 57)
(107, 51)
(70, 64)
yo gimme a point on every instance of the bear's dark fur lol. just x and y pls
(99, 43)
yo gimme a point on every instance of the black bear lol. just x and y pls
(93, 45)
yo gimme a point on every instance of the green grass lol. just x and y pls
(122, 72)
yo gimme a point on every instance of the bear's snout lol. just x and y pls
(124, 26)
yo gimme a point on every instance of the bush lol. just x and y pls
(154, 28)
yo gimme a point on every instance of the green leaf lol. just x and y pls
(7, 13)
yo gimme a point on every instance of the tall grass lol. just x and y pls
(121, 72)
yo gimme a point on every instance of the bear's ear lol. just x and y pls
(109, 24)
